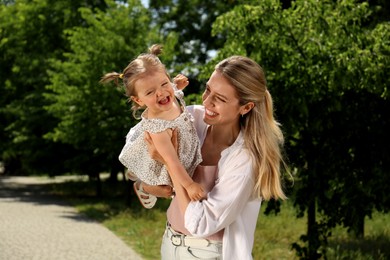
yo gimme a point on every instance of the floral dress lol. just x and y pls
(135, 155)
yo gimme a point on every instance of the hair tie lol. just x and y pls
(121, 76)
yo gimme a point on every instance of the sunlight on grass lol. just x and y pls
(142, 232)
(142, 229)
(275, 233)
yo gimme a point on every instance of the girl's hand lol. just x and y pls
(181, 81)
(195, 191)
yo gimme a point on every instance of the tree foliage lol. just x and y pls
(31, 34)
(95, 118)
(327, 73)
(326, 64)
(192, 21)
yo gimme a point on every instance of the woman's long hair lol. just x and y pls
(262, 134)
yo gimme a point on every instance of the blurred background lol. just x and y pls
(327, 65)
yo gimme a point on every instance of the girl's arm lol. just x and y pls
(181, 194)
(179, 176)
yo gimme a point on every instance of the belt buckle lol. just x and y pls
(176, 240)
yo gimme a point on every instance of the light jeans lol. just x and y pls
(169, 251)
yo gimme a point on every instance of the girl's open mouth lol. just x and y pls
(164, 101)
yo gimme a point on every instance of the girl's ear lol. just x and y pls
(246, 108)
(137, 100)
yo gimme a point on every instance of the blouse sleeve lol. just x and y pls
(225, 201)
(133, 133)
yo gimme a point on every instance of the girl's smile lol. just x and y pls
(155, 91)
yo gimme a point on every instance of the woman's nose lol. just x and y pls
(206, 100)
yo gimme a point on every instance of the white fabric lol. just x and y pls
(169, 251)
(230, 204)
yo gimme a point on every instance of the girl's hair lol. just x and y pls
(144, 65)
(262, 134)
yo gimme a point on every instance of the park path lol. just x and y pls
(34, 225)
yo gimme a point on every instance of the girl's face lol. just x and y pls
(155, 92)
(221, 102)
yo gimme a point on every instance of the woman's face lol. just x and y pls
(221, 102)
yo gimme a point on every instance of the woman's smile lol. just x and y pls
(210, 113)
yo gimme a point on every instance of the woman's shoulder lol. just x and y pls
(196, 110)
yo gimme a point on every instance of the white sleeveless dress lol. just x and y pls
(135, 155)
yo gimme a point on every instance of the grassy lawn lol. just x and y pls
(142, 229)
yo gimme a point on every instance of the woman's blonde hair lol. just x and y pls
(262, 134)
(144, 65)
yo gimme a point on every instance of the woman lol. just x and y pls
(241, 143)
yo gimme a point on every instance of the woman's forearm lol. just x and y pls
(162, 191)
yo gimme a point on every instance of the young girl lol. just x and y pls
(148, 84)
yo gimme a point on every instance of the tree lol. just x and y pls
(192, 21)
(326, 64)
(32, 34)
(95, 118)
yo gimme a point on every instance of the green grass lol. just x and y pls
(142, 229)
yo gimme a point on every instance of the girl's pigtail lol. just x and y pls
(112, 76)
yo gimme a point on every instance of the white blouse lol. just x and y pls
(230, 204)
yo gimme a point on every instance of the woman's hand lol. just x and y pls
(154, 154)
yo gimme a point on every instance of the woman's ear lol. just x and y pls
(246, 108)
(137, 100)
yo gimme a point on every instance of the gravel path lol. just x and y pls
(37, 226)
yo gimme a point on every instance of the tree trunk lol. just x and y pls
(357, 227)
(312, 232)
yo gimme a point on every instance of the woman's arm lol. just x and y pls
(224, 203)
(162, 191)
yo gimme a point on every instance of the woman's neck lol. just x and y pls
(218, 138)
(223, 135)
